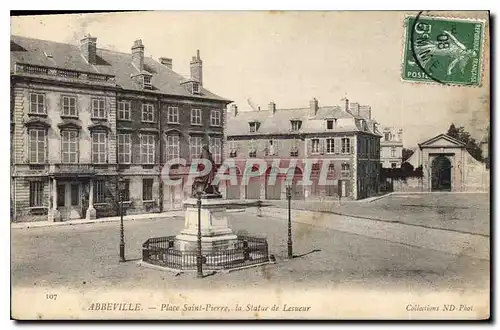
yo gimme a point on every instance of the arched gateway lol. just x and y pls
(441, 173)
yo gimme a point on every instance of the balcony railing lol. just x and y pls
(72, 169)
(63, 73)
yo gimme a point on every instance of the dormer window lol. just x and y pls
(147, 81)
(196, 88)
(253, 126)
(192, 86)
(331, 123)
(295, 125)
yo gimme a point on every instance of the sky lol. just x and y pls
(289, 58)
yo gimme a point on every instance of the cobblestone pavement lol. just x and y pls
(86, 257)
(463, 212)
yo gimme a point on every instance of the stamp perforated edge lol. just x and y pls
(485, 23)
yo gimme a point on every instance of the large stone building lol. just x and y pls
(391, 147)
(82, 115)
(344, 135)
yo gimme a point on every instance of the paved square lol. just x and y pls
(86, 257)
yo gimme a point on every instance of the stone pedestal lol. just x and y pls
(215, 231)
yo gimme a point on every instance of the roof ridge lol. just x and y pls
(56, 42)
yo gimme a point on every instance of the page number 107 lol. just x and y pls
(51, 296)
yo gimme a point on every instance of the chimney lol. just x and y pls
(166, 62)
(346, 107)
(234, 109)
(138, 55)
(197, 68)
(88, 46)
(354, 108)
(272, 108)
(313, 107)
(365, 111)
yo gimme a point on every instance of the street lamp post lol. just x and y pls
(199, 260)
(121, 188)
(289, 242)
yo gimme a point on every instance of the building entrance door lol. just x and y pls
(441, 174)
(69, 201)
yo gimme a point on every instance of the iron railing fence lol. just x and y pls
(243, 251)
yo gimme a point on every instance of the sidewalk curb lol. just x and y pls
(138, 217)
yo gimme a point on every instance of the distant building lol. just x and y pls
(345, 135)
(82, 115)
(391, 147)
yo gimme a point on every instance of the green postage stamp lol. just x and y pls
(443, 50)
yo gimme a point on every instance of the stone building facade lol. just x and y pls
(82, 116)
(343, 138)
(448, 166)
(391, 147)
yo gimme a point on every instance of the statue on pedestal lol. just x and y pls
(205, 183)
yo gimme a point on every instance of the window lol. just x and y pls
(346, 170)
(124, 149)
(148, 113)
(330, 124)
(37, 146)
(330, 145)
(195, 143)
(146, 81)
(387, 136)
(232, 149)
(215, 118)
(126, 190)
(252, 151)
(36, 193)
(172, 147)
(98, 108)
(196, 88)
(315, 168)
(393, 151)
(147, 189)
(123, 110)
(394, 165)
(253, 127)
(346, 145)
(294, 151)
(195, 117)
(331, 168)
(99, 147)
(37, 103)
(99, 195)
(315, 146)
(69, 106)
(147, 149)
(296, 125)
(173, 115)
(216, 149)
(400, 136)
(69, 149)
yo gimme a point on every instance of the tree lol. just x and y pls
(407, 154)
(470, 143)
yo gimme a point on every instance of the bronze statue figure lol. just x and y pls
(205, 183)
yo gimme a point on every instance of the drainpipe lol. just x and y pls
(160, 152)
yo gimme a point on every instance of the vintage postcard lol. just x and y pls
(171, 165)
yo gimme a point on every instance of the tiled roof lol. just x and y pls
(279, 122)
(69, 57)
